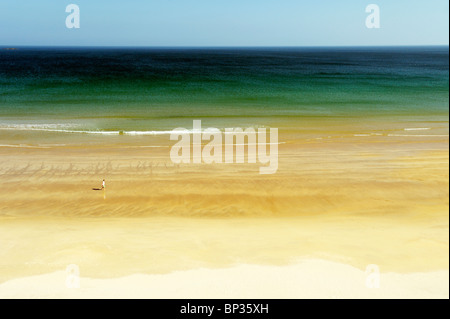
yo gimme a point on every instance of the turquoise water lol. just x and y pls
(157, 89)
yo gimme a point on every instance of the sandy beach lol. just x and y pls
(343, 198)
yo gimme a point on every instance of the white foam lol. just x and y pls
(22, 146)
(63, 128)
(152, 132)
(417, 129)
(417, 135)
(23, 127)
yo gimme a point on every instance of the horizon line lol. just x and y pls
(224, 46)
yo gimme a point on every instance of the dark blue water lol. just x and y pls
(164, 82)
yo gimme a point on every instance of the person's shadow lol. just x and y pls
(96, 189)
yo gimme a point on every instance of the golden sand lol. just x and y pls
(356, 198)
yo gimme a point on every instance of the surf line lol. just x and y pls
(221, 146)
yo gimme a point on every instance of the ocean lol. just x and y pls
(65, 97)
(158, 89)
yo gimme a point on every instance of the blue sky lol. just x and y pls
(224, 23)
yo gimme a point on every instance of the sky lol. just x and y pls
(223, 23)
